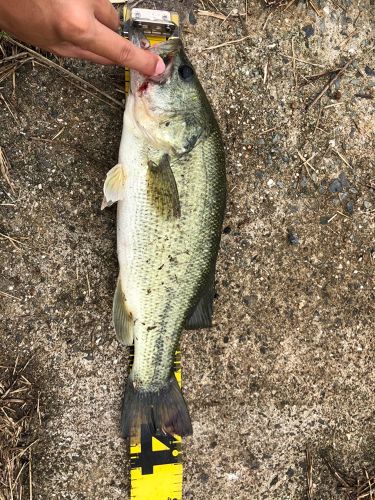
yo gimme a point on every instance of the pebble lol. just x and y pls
(344, 180)
(369, 71)
(270, 183)
(290, 472)
(308, 30)
(335, 186)
(350, 207)
(303, 181)
(274, 481)
(293, 238)
(249, 300)
(324, 220)
(343, 196)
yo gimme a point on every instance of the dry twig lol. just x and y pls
(302, 61)
(16, 406)
(315, 7)
(226, 43)
(294, 64)
(47, 62)
(309, 475)
(331, 82)
(360, 486)
(208, 13)
(342, 158)
(4, 169)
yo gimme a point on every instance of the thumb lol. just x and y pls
(141, 60)
(108, 44)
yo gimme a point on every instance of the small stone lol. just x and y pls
(303, 181)
(335, 186)
(192, 18)
(324, 220)
(259, 174)
(369, 71)
(293, 238)
(249, 300)
(349, 207)
(343, 196)
(270, 183)
(344, 180)
(308, 30)
(290, 472)
(255, 464)
(274, 481)
(367, 205)
(204, 477)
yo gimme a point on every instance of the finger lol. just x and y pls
(107, 14)
(70, 50)
(110, 45)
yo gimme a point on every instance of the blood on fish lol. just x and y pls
(142, 88)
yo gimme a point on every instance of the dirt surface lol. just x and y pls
(289, 362)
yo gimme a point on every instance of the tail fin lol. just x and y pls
(163, 410)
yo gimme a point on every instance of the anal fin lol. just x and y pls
(122, 318)
(201, 317)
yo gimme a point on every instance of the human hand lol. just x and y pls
(76, 28)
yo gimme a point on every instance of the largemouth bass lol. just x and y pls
(170, 187)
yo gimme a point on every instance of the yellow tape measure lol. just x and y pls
(155, 460)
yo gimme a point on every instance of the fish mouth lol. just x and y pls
(166, 50)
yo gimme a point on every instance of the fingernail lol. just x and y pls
(160, 67)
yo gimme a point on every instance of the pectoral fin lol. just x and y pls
(162, 188)
(122, 318)
(201, 317)
(114, 185)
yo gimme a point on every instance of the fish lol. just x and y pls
(170, 189)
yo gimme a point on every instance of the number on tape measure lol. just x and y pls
(155, 450)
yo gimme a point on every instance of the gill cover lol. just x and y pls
(171, 109)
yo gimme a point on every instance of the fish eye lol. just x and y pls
(186, 72)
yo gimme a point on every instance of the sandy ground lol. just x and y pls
(289, 362)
